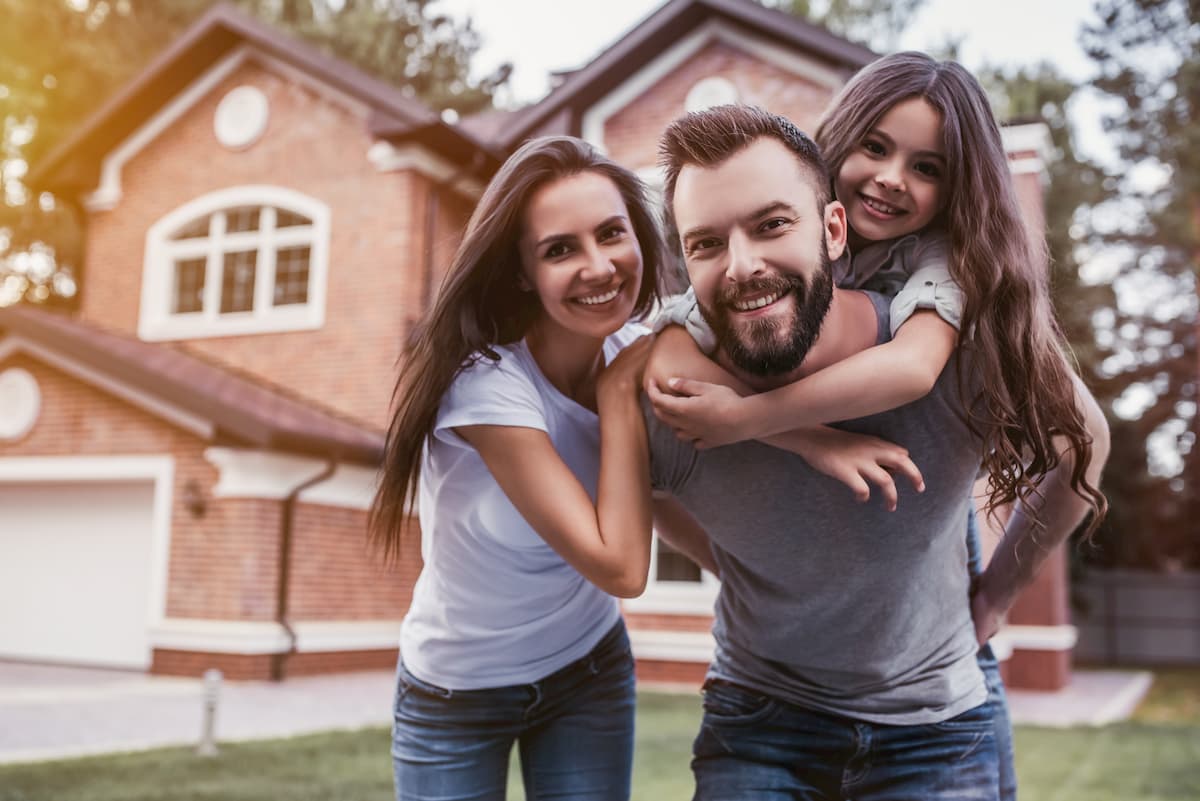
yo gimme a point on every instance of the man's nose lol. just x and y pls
(744, 263)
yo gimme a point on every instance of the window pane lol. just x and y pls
(674, 566)
(243, 218)
(237, 281)
(288, 219)
(196, 229)
(291, 276)
(189, 286)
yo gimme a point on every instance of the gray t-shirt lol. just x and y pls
(831, 604)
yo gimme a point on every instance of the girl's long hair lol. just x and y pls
(1026, 396)
(481, 304)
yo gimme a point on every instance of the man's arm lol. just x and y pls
(1025, 547)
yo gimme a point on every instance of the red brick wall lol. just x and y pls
(631, 135)
(313, 146)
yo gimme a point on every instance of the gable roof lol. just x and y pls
(654, 35)
(244, 412)
(74, 164)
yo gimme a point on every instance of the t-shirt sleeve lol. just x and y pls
(490, 393)
(671, 460)
(929, 286)
(683, 310)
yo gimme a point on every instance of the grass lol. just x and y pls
(1155, 757)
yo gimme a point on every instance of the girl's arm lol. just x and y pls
(609, 542)
(871, 381)
(856, 460)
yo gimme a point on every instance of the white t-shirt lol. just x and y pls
(495, 605)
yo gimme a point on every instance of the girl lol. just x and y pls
(917, 161)
(513, 634)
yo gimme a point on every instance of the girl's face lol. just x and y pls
(892, 182)
(580, 255)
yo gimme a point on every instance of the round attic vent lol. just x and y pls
(20, 403)
(710, 92)
(241, 117)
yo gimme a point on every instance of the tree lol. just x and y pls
(98, 45)
(875, 23)
(1148, 67)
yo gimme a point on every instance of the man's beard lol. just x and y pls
(767, 346)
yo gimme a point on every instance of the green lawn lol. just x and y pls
(1153, 758)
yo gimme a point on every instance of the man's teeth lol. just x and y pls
(757, 303)
(880, 206)
(596, 300)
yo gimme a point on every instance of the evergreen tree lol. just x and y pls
(874, 23)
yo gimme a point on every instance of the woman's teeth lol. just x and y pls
(596, 300)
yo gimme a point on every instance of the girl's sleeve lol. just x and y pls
(929, 286)
(490, 393)
(683, 310)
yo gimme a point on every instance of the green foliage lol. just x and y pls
(1148, 67)
(875, 23)
(63, 58)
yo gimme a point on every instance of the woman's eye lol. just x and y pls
(613, 232)
(556, 250)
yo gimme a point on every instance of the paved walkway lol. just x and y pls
(57, 712)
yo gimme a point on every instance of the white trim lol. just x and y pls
(172, 414)
(350, 487)
(672, 646)
(109, 191)
(713, 30)
(155, 320)
(159, 469)
(1036, 638)
(269, 637)
(387, 157)
(1030, 137)
(268, 475)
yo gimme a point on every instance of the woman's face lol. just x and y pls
(580, 255)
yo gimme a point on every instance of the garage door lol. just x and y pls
(75, 564)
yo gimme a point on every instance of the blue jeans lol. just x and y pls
(574, 729)
(990, 666)
(752, 747)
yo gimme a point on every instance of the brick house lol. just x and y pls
(186, 461)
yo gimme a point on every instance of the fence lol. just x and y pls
(1137, 617)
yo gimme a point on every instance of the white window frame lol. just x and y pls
(156, 322)
(674, 597)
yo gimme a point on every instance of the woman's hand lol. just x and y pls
(622, 377)
(706, 414)
(856, 460)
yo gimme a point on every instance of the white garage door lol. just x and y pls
(75, 565)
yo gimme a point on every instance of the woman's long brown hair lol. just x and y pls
(481, 305)
(1027, 395)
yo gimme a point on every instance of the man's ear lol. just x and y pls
(835, 229)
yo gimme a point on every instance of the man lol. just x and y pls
(846, 650)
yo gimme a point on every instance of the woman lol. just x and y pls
(514, 634)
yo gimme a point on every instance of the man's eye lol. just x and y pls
(774, 223)
(701, 245)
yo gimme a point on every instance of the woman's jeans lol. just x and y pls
(573, 728)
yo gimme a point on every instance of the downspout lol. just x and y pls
(431, 215)
(286, 526)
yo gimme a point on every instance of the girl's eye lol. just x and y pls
(873, 147)
(928, 169)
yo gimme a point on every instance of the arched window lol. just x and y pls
(243, 260)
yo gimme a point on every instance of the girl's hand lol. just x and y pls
(856, 460)
(623, 375)
(705, 414)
